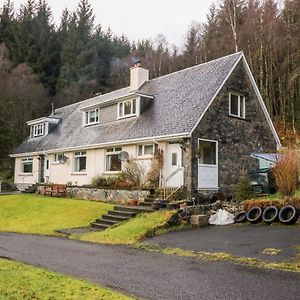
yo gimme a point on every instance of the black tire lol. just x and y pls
(288, 215)
(270, 214)
(240, 217)
(254, 215)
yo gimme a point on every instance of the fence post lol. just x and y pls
(0, 186)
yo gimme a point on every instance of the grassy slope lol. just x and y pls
(277, 196)
(19, 281)
(132, 230)
(28, 213)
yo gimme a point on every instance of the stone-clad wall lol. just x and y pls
(237, 138)
(104, 195)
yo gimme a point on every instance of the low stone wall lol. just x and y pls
(104, 195)
(22, 186)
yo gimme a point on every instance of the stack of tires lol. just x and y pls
(286, 215)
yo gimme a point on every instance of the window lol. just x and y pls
(207, 151)
(38, 129)
(146, 150)
(26, 165)
(92, 117)
(59, 157)
(127, 108)
(113, 164)
(80, 161)
(237, 105)
(174, 159)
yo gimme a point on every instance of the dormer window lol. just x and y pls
(92, 117)
(127, 109)
(38, 129)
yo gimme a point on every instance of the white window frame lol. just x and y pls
(217, 153)
(143, 150)
(121, 109)
(241, 101)
(57, 156)
(78, 155)
(87, 116)
(112, 151)
(38, 129)
(24, 161)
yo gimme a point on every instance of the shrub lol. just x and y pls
(99, 181)
(243, 189)
(155, 168)
(133, 173)
(286, 173)
(263, 203)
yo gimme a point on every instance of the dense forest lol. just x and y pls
(43, 63)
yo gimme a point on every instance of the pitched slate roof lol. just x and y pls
(180, 98)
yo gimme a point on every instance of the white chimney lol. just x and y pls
(138, 76)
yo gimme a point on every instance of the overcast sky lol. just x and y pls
(141, 19)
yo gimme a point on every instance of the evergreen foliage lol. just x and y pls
(243, 190)
(76, 59)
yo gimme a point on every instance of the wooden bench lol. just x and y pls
(58, 190)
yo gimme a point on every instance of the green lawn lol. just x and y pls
(131, 231)
(20, 282)
(30, 213)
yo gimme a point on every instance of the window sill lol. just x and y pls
(239, 118)
(111, 172)
(127, 116)
(26, 174)
(79, 173)
(91, 124)
(144, 157)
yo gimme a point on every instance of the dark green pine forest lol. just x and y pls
(43, 63)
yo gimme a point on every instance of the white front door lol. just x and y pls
(207, 164)
(174, 169)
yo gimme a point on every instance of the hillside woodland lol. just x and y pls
(43, 63)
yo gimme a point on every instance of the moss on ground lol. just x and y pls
(221, 256)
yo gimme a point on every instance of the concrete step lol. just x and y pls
(147, 204)
(134, 209)
(115, 218)
(100, 226)
(106, 222)
(121, 213)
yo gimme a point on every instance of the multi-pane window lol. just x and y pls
(27, 165)
(80, 161)
(146, 150)
(113, 163)
(92, 117)
(127, 108)
(38, 129)
(237, 105)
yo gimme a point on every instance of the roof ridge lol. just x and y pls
(153, 79)
(195, 66)
(79, 102)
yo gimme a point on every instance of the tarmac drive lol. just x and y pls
(245, 240)
(149, 275)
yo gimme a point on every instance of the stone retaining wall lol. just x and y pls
(104, 195)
